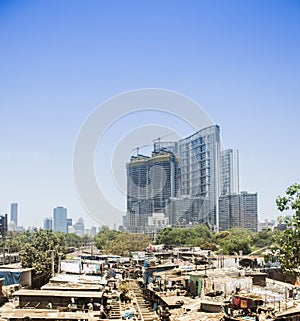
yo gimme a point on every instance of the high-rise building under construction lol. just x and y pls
(197, 173)
(151, 182)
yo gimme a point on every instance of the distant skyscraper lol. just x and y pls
(69, 222)
(79, 227)
(151, 181)
(238, 210)
(229, 172)
(249, 211)
(60, 219)
(93, 231)
(229, 211)
(47, 223)
(14, 213)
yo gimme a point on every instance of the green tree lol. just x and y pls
(13, 241)
(104, 236)
(35, 252)
(262, 239)
(199, 235)
(165, 236)
(234, 240)
(286, 246)
(73, 240)
(124, 243)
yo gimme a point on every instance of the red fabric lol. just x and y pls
(236, 301)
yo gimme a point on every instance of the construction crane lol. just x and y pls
(137, 149)
(158, 139)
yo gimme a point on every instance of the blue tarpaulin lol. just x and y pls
(10, 277)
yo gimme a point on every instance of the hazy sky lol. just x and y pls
(59, 60)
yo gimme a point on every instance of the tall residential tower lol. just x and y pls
(229, 179)
(151, 181)
(199, 156)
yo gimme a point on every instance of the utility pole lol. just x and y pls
(92, 247)
(3, 249)
(52, 262)
(59, 262)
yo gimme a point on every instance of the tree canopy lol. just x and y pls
(286, 246)
(125, 243)
(120, 243)
(199, 235)
(35, 252)
(35, 248)
(235, 240)
(230, 242)
(262, 239)
(104, 236)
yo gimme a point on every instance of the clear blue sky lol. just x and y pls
(240, 60)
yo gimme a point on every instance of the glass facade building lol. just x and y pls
(151, 182)
(202, 185)
(238, 210)
(47, 223)
(229, 174)
(60, 219)
(200, 156)
(14, 213)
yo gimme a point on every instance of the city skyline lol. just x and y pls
(190, 181)
(239, 60)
